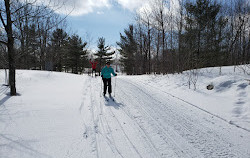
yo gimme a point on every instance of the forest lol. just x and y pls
(171, 38)
(166, 37)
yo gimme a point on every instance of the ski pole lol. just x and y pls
(115, 86)
(101, 88)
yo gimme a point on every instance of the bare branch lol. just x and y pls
(3, 42)
(22, 7)
(1, 17)
(59, 21)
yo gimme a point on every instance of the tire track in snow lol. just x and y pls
(126, 136)
(171, 148)
(157, 111)
(102, 121)
(228, 121)
(95, 120)
(91, 123)
(94, 125)
(142, 131)
(188, 130)
(84, 91)
(145, 139)
(113, 117)
(78, 146)
(137, 125)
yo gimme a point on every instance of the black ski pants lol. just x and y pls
(107, 82)
(94, 70)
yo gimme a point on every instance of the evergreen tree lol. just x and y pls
(203, 37)
(76, 54)
(58, 40)
(128, 50)
(32, 47)
(28, 56)
(102, 54)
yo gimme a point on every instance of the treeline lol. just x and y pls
(170, 38)
(40, 39)
(33, 36)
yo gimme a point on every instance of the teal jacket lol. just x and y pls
(106, 72)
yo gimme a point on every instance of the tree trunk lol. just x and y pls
(11, 53)
(157, 53)
(163, 50)
(179, 62)
(149, 48)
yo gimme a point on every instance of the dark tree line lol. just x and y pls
(66, 53)
(196, 34)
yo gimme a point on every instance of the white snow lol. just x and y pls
(60, 115)
(229, 100)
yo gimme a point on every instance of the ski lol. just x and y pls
(109, 98)
(112, 98)
(106, 98)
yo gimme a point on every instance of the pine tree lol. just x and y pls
(102, 54)
(58, 40)
(204, 27)
(76, 54)
(128, 50)
(32, 46)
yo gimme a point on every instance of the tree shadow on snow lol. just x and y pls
(20, 146)
(3, 90)
(7, 96)
(3, 100)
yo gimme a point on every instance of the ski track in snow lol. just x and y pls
(145, 123)
(237, 109)
(182, 126)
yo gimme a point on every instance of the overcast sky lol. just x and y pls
(100, 18)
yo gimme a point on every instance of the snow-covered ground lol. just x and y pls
(59, 115)
(229, 100)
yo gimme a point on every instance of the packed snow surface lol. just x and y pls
(60, 115)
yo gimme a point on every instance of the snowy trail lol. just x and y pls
(144, 122)
(61, 115)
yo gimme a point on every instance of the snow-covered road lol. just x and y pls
(59, 115)
(146, 122)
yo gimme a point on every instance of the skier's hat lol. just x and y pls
(108, 62)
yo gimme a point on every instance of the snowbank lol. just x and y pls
(45, 118)
(228, 100)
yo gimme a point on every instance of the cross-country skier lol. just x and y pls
(93, 63)
(106, 78)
